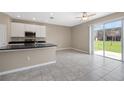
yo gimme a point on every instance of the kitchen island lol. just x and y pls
(15, 58)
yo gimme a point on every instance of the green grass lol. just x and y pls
(114, 46)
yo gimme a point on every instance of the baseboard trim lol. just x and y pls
(26, 68)
(59, 49)
(80, 50)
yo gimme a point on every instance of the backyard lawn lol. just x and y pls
(114, 46)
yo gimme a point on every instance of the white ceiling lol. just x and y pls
(60, 18)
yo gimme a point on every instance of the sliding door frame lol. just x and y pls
(91, 39)
(122, 39)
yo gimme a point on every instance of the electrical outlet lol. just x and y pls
(28, 58)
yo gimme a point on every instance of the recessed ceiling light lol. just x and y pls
(51, 14)
(18, 16)
(34, 18)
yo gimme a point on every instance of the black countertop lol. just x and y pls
(23, 42)
(27, 46)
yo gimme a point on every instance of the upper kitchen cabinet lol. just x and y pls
(40, 31)
(30, 28)
(17, 29)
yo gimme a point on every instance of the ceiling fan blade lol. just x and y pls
(91, 15)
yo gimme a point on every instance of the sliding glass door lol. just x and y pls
(113, 43)
(99, 39)
(108, 39)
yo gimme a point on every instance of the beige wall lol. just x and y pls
(80, 37)
(59, 35)
(80, 33)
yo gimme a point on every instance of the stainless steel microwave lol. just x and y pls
(30, 34)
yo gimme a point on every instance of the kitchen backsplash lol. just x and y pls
(22, 39)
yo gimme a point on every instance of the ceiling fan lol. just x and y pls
(85, 16)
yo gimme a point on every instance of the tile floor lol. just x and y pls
(109, 54)
(73, 66)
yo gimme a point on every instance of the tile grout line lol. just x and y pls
(110, 71)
